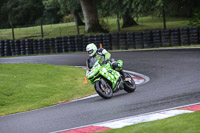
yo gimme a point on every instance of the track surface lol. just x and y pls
(174, 74)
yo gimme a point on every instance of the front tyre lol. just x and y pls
(105, 91)
(129, 83)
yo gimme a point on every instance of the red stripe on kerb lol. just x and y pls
(192, 108)
(89, 129)
(137, 78)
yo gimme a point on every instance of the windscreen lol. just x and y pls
(90, 62)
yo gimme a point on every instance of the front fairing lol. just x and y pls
(93, 71)
(93, 68)
(110, 74)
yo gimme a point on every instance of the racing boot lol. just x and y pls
(122, 73)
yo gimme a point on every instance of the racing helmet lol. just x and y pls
(91, 49)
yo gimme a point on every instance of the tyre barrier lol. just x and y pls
(156, 35)
(113, 41)
(166, 38)
(2, 47)
(194, 35)
(175, 37)
(184, 37)
(122, 41)
(106, 41)
(147, 39)
(130, 39)
(139, 40)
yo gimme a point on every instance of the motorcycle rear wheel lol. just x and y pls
(103, 91)
(129, 86)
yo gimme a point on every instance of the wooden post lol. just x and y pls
(13, 31)
(77, 27)
(118, 23)
(164, 18)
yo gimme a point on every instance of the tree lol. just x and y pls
(51, 12)
(91, 17)
(126, 13)
(74, 7)
(20, 12)
(122, 8)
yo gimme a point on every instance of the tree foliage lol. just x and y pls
(195, 21)
(65, 7)
(28, 12)
(20, 12)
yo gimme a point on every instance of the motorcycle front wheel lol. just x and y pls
(105, 91)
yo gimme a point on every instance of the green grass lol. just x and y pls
(25, 87)
(185, 123)
(65, 29)
(147, 23)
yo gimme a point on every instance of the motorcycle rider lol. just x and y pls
(103, 56)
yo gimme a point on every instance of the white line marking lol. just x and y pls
(136, 116)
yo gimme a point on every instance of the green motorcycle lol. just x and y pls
(107, 80)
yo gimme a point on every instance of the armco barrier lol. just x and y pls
(113, 41)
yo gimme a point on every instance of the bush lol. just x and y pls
(195, 21)
(104, 25)
(67, 19)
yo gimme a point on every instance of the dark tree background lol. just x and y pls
(88, 12)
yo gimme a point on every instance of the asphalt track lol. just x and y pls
(175, 81)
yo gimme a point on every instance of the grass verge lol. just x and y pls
(66, 29)
(185, 123)
(26, 87)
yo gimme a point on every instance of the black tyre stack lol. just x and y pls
(147, 39)
(115, 41)
(85, 42)
(46, 46)
(22, 47)
(98, 39)
(122, 40)
(106, 41)
(78, 43)
(175, 37)
(35, 46)
(90, 39)
(184, 37)
(194, 35)
(71, 44)
(2, 47)
(58, 44)
(29, 46)
(139, 40)
(166, 38)
(156, 35)
(52, 45)
(130, 39)
(12, 47)
(40, 46)
(7, 51)
(17, 47)
(64, 44)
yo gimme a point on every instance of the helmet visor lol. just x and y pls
(90, 52)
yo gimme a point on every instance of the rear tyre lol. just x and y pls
(105, 91)
(129, 83)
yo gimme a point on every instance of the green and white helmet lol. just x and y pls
(91, 49)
